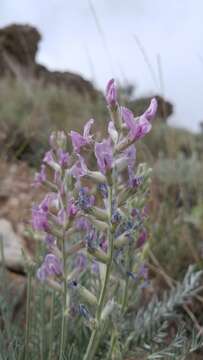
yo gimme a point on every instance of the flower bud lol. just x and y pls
(96, 176)
(49, 160)
(58, 140)
(111, 94)
(86, 295)
(108, 309)
(100, 225)
(98, 254)
(98, 213)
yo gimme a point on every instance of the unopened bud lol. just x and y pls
(58, 140)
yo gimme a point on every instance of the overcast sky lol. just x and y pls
(171, 28)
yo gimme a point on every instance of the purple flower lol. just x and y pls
(103, 244)
(78, 140)
(49, 160)
(51, 199)
(79, 169)
(130, 155)
(81, 262)
(39, 218)
(138, 127)
(142, 238)
(113, 133)
(50, 267)
(143, 272)
(103, 190)
(83, 224)
(95, 267)
(40, 177)
(145, 212)
(50, 240)
(135, 181)
(91, 238)
(111, 93)
(85, 200)
(71, 208)
(63, 157)
(62, 217)
(104, 155)
(150, 113)
(48, 157)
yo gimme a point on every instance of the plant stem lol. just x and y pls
(27, 327)
(125, 295)
(63, 323)
(112, 344)
(51, 337)
(42, 321)
(95, 337)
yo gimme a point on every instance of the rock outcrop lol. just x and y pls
(18, 49)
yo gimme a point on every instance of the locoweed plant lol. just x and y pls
(92, 223)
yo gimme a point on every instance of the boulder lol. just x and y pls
(12, 247)
(18, 49)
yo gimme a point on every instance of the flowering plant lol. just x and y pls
(92, 221)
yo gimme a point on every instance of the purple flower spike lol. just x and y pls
(104, 155)
(111, 93)
(78, 140)
(150, 113)
(138, 127)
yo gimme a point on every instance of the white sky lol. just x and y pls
(172, 28)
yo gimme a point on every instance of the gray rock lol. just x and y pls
(12, 246)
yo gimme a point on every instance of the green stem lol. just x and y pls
(95, 337)
(51, 337)
(63, 323)
(112, 344)
(125, 295)
(28, 313)
(42, 322)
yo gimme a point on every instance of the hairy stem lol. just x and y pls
(63, 323)
(51, 335)
(125, 295)
(96, 334)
